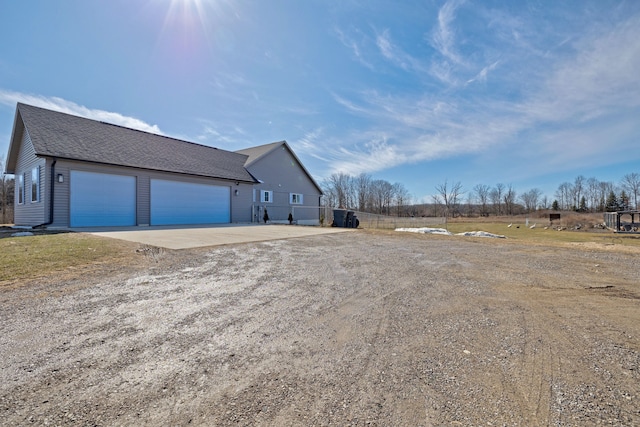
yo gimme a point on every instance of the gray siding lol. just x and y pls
(280, 172)
(240, 204)
(60, 194)
(30, 213)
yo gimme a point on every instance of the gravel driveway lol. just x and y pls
(355, 328)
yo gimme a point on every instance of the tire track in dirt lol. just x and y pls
(347, 329)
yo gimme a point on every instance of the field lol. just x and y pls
(364, 328)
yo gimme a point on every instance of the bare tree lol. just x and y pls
(401, 198)
(378, 196)
(631, 183)
(564, 195)
(339, 184)
(482, 195)
(578, 187)
(363, 187)
(530, 199)
(496, 198)
(544, 202)
(592, 191)
(450, 196)
(509, 199)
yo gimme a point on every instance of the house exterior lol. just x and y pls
(75, 172)
(285, 186)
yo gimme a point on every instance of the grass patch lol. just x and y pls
(37, 256)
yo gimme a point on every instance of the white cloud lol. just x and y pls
(352, 45)
(443, 38)
(482, 75)
(396, 55)
(376, 154)
(603, 74)
(312, 144)
(10, 98)
(584, 108)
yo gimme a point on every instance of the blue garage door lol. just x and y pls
(174, 202)
(99, 199)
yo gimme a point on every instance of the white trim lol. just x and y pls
(35, 180)
(20, 188)
(268, 198)
(296, 198)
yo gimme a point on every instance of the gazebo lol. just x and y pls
(614, 221)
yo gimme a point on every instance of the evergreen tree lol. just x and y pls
(612, 202)
(555, 206)
(583, 204)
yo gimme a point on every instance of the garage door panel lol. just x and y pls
(174, 202)
(98, 199)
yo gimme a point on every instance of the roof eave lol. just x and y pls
(231, 179)
(14, 143)
(251, 161)
(313, 181)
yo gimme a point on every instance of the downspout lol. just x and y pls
(53, 185)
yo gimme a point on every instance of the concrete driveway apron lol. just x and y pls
(183, 237)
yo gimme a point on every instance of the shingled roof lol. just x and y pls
(65, 136)
(256, 153)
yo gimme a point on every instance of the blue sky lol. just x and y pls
(528, 93)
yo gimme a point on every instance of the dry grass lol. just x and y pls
(29, 257)
(545, 234)
(520, 229)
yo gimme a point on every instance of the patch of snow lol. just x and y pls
(481, 234)
(444, 232)
(22, 234)
(426, 230)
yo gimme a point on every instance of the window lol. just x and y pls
(266, 196)
(295, 199)
(21, 189)
(35, 184)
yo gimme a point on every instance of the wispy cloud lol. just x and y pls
(10, 98)
(482, 75)
(352, 45)
(396, 55)
(443, 38)
(585, 107)
(312, 144)
(375, 153)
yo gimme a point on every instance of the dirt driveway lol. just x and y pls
(345, 329)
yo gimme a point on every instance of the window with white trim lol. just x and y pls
(266, 196)
(21, 189)
(35, 184)
(295, 199)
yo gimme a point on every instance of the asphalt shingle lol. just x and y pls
(67, 136)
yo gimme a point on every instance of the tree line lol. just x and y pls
(592, 195)
(366, 194)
